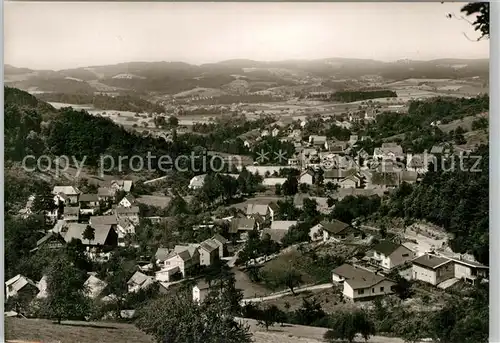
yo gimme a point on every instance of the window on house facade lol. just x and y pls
(406, 255)
(373, 290)
(381, 289)
(361, 291)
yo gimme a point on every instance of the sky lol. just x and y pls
(58, 35)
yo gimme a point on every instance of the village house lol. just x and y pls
(294, 162)
(417, 163)
(104, 220)
(469, 271)
(335, 176)
(139, 281)
(389, 255)
(283, 224)
(197, 181)
(388, 151)
(132, 213)
(275, 132)
(256, 208)
(273, 210)
(221, 244)
(127, 201)
(52, 240)
(104, 235)
(307, 177)
(241, 226)
(264, 133)
(71, 214)
(354, 180)
(161, 255)
(209, 252)
(67, 194)
(88, 203)
(200, 292)
(361, 284)
(181, 260)
(122, 185)
(432, 269)
(336, 230)
(20, 285)
(338, 147)
(124, 227)
(385, 180)
(319, 142)
(106, 194)
(275, 235)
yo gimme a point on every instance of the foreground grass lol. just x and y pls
(41, 330)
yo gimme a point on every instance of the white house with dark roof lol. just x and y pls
(180, 260)
(361, 284)
(336, 230)
(388, 254)
(200, 291)
(432, 269)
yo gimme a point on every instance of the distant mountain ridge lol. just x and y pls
(174, 77)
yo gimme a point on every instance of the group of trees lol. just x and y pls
(353, 95)
(421, 113)
(105, 102)
(456, 199)
(175, 318)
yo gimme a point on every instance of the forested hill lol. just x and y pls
(457, 200)
(70, 133)
(22, 99)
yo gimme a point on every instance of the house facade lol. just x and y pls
(357, 290)
(209, 252)
(469, 271)
(432, 269)
(361, 284)
(388, 255)
(307, 177)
